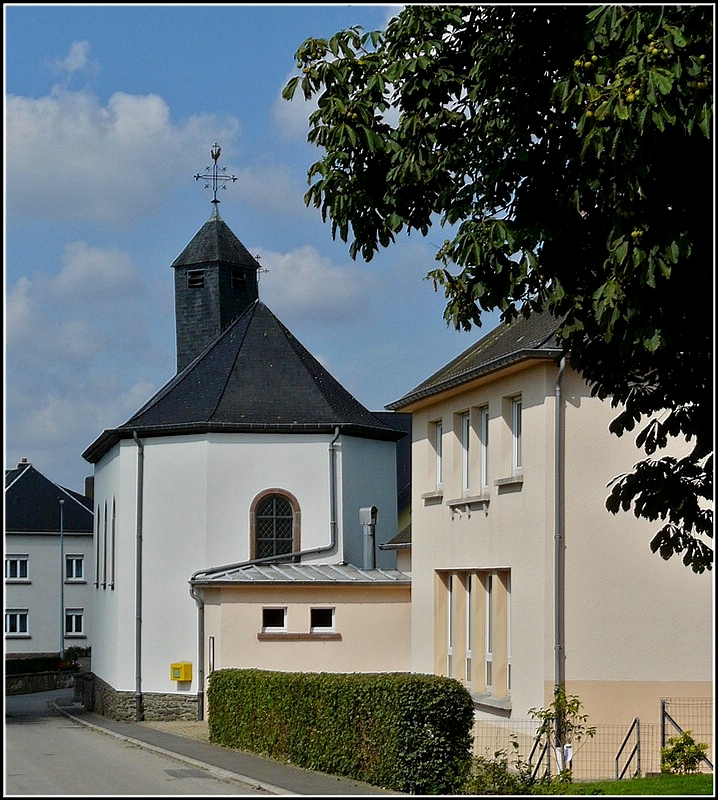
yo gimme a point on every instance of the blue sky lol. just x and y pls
(110, 111)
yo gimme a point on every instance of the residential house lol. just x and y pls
(521, 578)
(48, 565)
(241, 511)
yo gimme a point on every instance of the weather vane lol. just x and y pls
(216, 176)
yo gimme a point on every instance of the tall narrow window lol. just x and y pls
(484, 447)
(489, 631)
(450, 625)
(508, 633)
(97, 547)
(438, 436)
(469, 628)
(516, 461)
(465, 454)
(114, 544)
(275, 525)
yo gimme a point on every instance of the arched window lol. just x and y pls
(275, 520)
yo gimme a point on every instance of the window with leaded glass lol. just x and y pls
(274, 526)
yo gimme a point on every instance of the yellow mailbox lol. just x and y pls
(181, 671)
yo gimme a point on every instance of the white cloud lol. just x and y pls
(76, 60)
(303, 283)
(68, 157)
(292, 116)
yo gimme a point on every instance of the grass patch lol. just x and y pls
(662, 784)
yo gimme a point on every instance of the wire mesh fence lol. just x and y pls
(615, 751)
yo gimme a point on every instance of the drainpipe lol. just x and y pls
(266, 559)
(138, 577)
(559, 548)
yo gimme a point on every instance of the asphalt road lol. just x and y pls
(49, 754)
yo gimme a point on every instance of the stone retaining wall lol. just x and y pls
(38, 682)
(98, 696)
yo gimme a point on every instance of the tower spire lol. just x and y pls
(216, 176)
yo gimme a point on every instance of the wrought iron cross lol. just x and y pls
(218, 179)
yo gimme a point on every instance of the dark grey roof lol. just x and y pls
(506, 344)
(32, 504)
(315, 574)
(215, 242)
(400, 541)
(255, 376)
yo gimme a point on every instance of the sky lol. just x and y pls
(110, 112)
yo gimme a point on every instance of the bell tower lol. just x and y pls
(215, 278)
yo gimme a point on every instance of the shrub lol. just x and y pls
(682, 754)
(409, 733)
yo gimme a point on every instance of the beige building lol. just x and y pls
(521, 579)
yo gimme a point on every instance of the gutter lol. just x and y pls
(195, 578)
(559, 547)
(138, 577)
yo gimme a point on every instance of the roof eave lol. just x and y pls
(472, 374)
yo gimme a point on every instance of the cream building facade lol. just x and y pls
(521, 579)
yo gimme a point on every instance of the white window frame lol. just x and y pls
(438, 445)
(74, 624)
(15, 563)
(72, 560)
(489, 654)
(484, 447)
(469, 629)
(465, 437)
(508, 633)
(450, 625)
(275, 628)
(321, 628)
(516, 455)
(21, 618)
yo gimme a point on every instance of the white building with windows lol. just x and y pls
(228, 509)
(521, 578)
(48, 565)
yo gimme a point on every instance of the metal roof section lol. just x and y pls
(506, 344)
(314, 574)
(32, 504)
(254, 377)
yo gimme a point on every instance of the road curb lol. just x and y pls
(218, 772)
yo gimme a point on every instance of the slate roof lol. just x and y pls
(314, 574)
(506, 344)
(255, 376)
(31, 504)
(214, 242)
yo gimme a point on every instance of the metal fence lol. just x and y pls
(615, 751)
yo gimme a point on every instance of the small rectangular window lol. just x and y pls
(74, 568)
(321, 619)
(274, 619)
(73, 621)
(238, 280)
(16, 622)
(195, 279)
(16, 568)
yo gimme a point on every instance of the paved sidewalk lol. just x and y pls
(188, 741)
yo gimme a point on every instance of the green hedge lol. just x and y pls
(409, 733)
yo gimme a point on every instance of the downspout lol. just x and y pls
(138, 577)
(559, 547)
(226, 567)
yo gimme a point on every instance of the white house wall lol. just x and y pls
(197, 494)
(40, 593)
